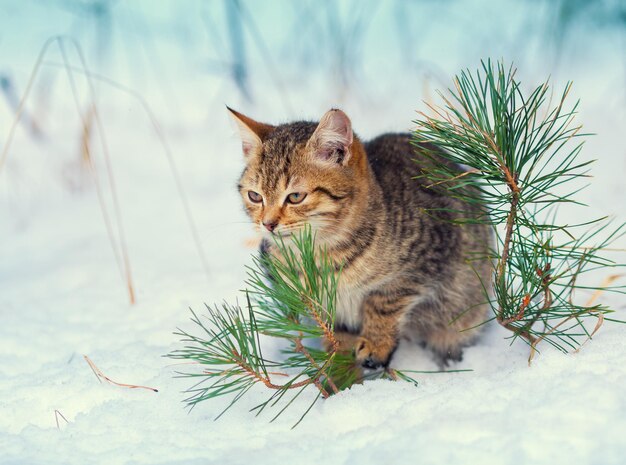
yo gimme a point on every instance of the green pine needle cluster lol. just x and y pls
(522, 161)
(290, 296)
(521, 156)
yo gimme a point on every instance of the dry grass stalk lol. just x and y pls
(101, 376)
(85, 138)
(605, 283)
(107, 157)
(168, 154)
(58, 414)
(123, 261)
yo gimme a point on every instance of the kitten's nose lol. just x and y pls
(270, 225)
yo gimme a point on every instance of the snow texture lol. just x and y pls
(62, 297)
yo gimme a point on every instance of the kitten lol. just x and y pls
(404, 273)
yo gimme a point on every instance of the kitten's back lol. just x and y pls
(398, 167)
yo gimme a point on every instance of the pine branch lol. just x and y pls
(291, 296)
(520, 167)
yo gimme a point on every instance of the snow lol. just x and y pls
(62, 297)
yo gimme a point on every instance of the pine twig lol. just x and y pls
(293, 298)
(517, 150)
(300, 348)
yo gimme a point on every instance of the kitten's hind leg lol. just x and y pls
(445, 359)
(447, 345)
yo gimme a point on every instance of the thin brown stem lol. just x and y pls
(520, 314)
(101, 376)
(463, 174)
(546, 279)
(521, 332)
(262, 379)
(268, 383)
(324, 326)
(536, 341)
(300, 348)
(510, 222)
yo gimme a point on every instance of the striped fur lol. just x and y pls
(404, 273)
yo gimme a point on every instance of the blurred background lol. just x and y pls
(117, 181)
(123, 143)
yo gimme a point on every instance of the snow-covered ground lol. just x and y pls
(62, 297)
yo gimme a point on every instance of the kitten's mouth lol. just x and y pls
(277, 234)
(282, 234)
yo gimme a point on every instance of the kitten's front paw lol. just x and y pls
(344, 342)
(372, 355)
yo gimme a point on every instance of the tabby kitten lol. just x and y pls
(404, 273)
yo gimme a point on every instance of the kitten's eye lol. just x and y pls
(255, 197)
(296, 197)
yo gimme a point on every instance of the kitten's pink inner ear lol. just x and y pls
(252, 132)
(333, 137)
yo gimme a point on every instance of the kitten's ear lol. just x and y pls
(332, 138)
(252, 132)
